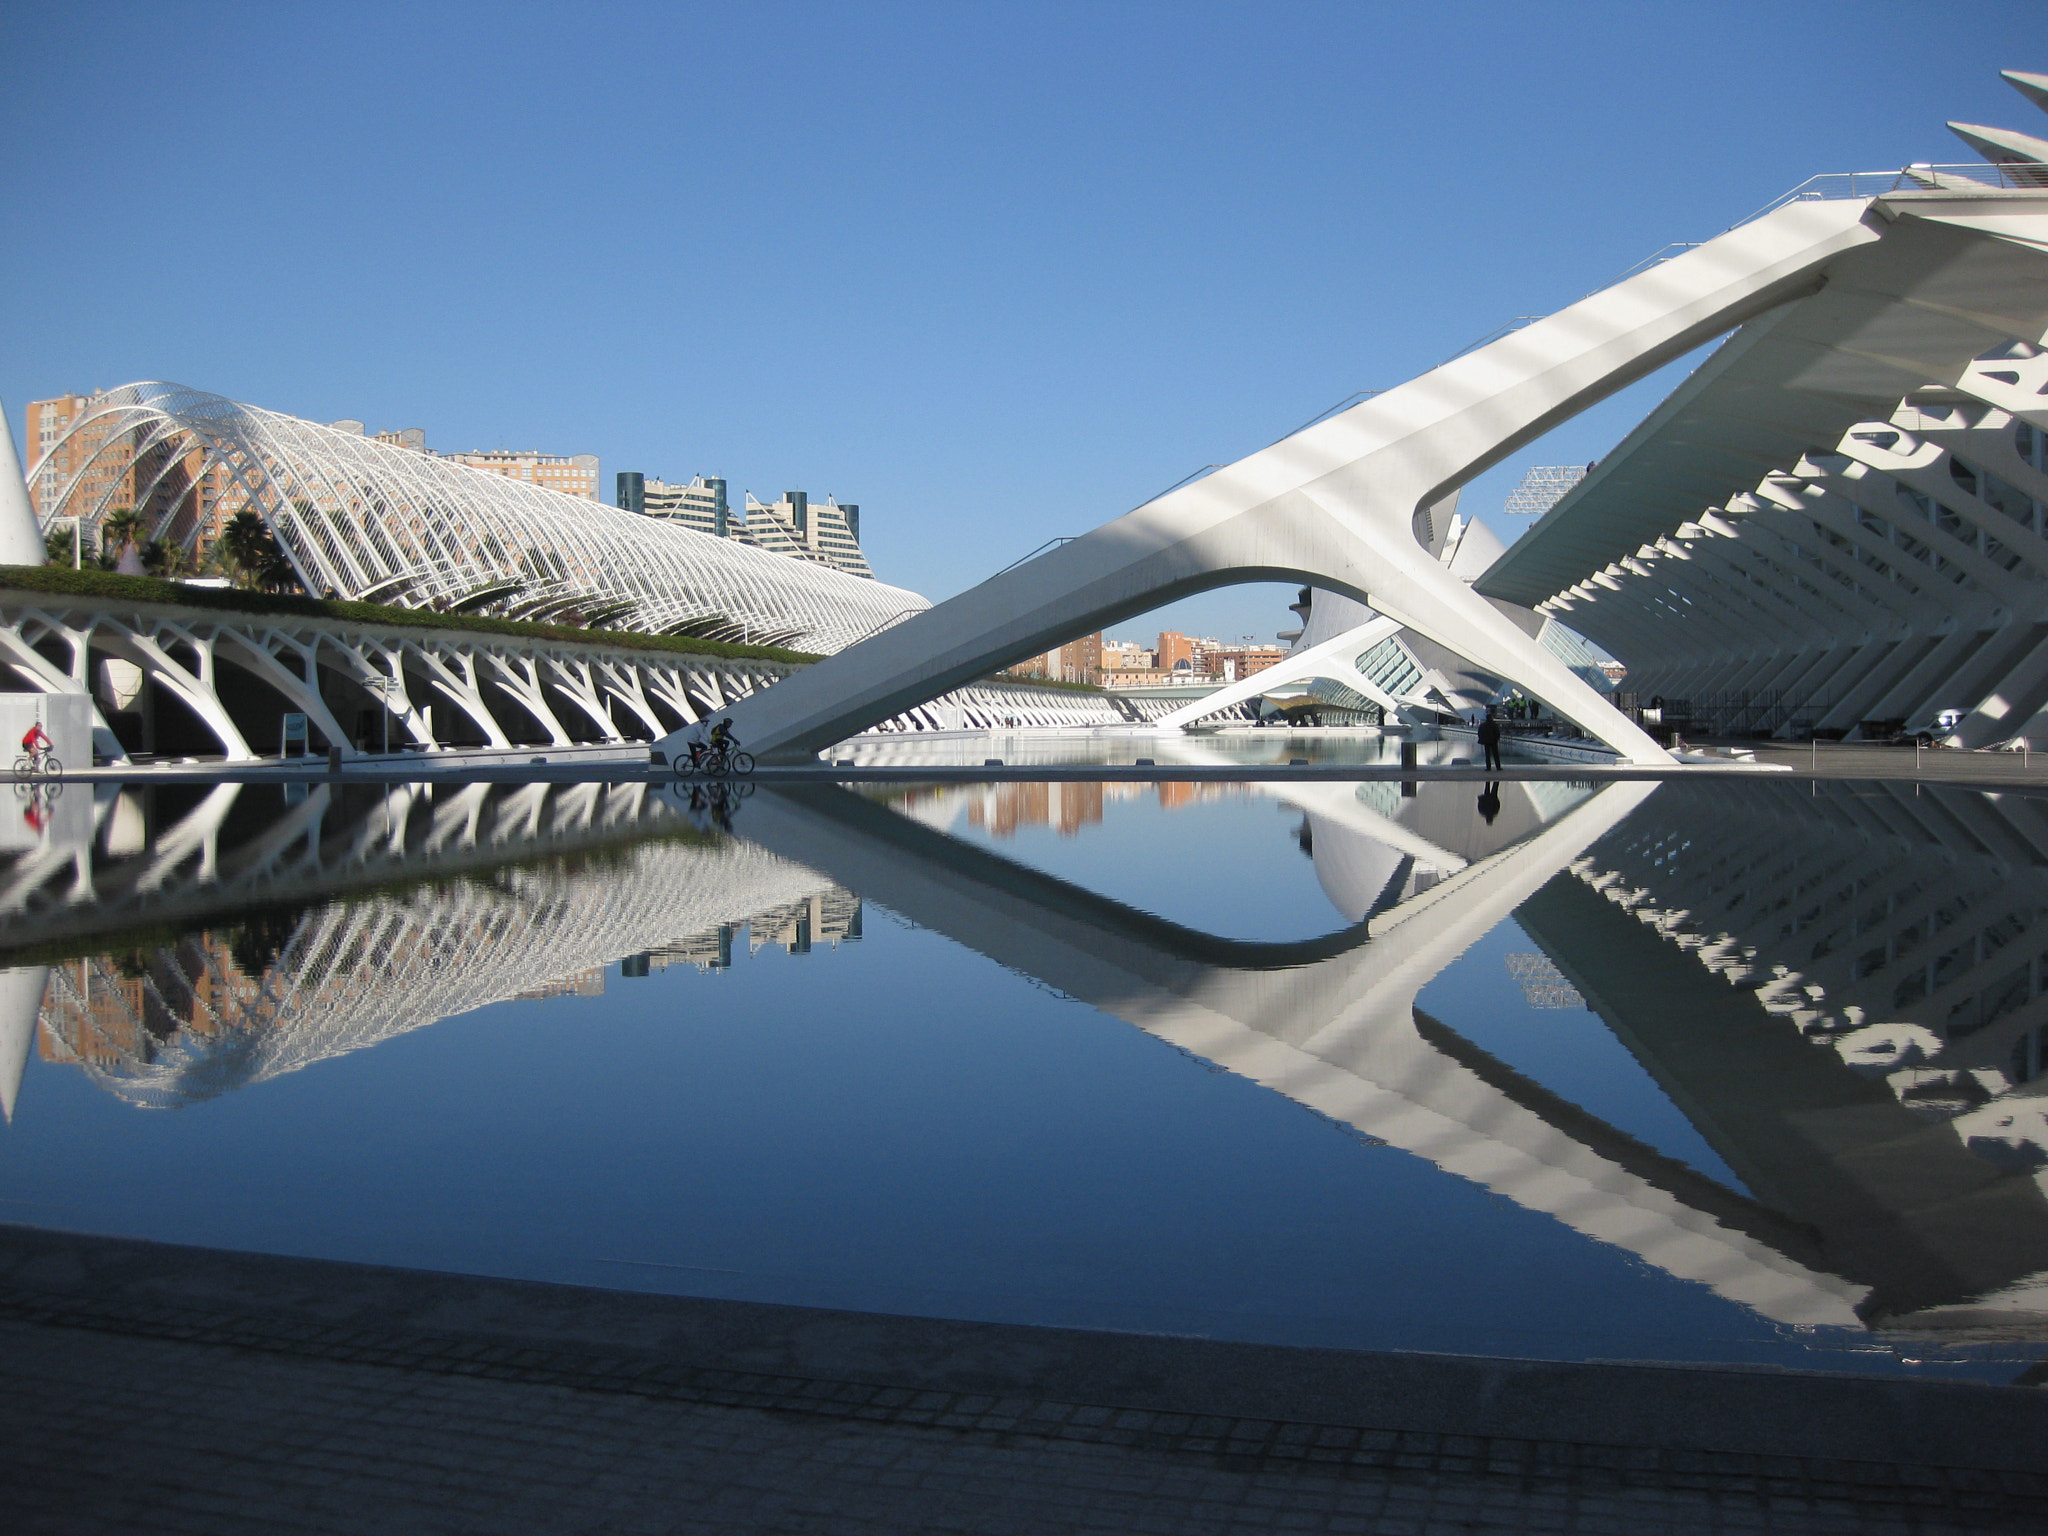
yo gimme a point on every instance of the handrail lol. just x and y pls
(1067, 538)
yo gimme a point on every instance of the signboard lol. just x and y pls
(292, 736)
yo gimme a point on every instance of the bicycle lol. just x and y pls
(716, 762)
(41, 761)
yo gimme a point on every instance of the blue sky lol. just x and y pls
(996, 272)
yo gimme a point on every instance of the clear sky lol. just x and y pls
(996, 272)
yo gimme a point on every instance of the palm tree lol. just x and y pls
(243, 544)
(160, 557)
(249, 548)
(120, 528)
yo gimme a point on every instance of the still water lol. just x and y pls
(1711, 1071)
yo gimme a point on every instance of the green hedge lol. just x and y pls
(62, 579)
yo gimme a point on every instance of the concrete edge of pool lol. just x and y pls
(953, 1374)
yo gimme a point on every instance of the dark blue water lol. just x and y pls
(945, 1088)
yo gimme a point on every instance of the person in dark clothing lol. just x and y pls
(1489, 738)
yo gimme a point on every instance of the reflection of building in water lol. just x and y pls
(1857, 1213)
(1543, 984)
(1004, 809)
(1906, 931)
(1867, 1056)
(829, 917)
(588, 982)
(213, 1011)
(823, 918)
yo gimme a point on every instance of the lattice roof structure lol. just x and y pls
(1542, 488)
(376, 522)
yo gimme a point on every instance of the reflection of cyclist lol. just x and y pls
(37, 741)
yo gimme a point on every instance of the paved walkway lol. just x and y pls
(147, 1388)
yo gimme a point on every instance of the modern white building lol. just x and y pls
(1790, 526)
(379, 522)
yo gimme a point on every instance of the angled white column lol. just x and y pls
(1334, 506)
(1332, 659)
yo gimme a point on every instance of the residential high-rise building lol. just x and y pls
(1173, 649)
(1078, 661)
(825, 533)
(573, 475)
(701, 504)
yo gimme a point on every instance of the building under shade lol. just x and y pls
(377, 522)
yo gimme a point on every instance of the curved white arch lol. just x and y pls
(367, 520)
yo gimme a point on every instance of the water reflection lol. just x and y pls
(1845, 991)
(459, 899)
(1844, 988)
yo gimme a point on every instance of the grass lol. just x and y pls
(62, 580)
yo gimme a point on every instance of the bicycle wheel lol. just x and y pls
(741, 762)
(24, 765)
(51, 767)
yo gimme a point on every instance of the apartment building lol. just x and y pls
(572, 475)
(700, 505)
(1229, 664)
(825, 533)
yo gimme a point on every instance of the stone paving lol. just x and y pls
(114, 1434)
(132, 1400)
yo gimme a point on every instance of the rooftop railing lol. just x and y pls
(1980, 176)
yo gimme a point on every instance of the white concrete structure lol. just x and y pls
(1344, 505)
(21, 535)
(1839, 523)
(370, 520)
(437, 685)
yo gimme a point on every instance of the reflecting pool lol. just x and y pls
(1717, 1070)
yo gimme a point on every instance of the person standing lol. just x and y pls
(1489, 738)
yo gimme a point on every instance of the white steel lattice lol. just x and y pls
(1542, 488)
(376, 522)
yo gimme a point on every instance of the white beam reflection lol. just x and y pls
(1332, 1024)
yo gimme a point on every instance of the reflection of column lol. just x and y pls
(1331, 1023)
(21, 998)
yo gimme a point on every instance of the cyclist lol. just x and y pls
(36, 742)
(722, 738)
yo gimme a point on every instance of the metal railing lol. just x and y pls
(1982, 176)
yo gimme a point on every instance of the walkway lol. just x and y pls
(148, 1388)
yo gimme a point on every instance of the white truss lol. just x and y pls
(376, 522)
(1898, 575)
(482, 689)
